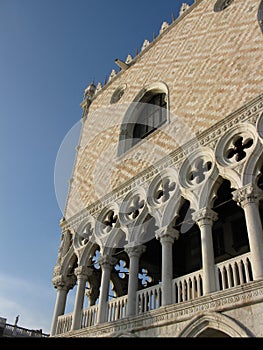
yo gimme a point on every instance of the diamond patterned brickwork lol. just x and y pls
(212, 65)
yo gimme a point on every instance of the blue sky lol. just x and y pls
(50, 51)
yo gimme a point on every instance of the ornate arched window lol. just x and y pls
(221, 5)
(260, 15)
(147, 113)
(151, 116)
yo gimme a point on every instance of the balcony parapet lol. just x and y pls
(219, 301)
(233, 280)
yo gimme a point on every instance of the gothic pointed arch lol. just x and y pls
(187, 256)
(219, 324)
(230, 237)
(147, 113)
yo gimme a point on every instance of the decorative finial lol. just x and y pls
(128, 59)
(90, 91)
(112, 74)
(145, 44)
(98, 86)
(184, 7)
(163, 27)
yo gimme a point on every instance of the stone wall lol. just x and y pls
(211, 63)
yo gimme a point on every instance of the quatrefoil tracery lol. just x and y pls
(109, 221)
(144, 278)
(121, 268)
(86, 234)
(164, 190)
(237, 151)
(199, 171)
(135, 207)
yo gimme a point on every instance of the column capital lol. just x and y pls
(204, 216)
(82, 271)
(58, 282)
(62, 282)
(247, 194)
(107, 260)
(167, 233)
(134, 250)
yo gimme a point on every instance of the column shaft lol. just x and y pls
(134, 255)
(106, 263)
(82, 273)
(254, 229)
(204, 218)
(59, 307)
(166, 236)
(247, 198)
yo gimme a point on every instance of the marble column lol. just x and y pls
(106, 262)
(82, 273)
(204, 219)
(167, 236)
(63, 286)
(248, 198)
(134, 253)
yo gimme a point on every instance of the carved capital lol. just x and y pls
(107, 261)
(57, 270)
(167, 234)
(204, 216)
(82, 271)
(58, 282)
(135, 251)
(62, 282)
(247, 194)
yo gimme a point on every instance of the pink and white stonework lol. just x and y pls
(162, 228)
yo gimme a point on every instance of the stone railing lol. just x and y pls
(64, 323)
(149, 299)
(20, 332)
(230, 273)
(234, 272)
(188, 287)
(117, 308)
(89, 316)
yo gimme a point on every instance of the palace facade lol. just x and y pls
(162, 229)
